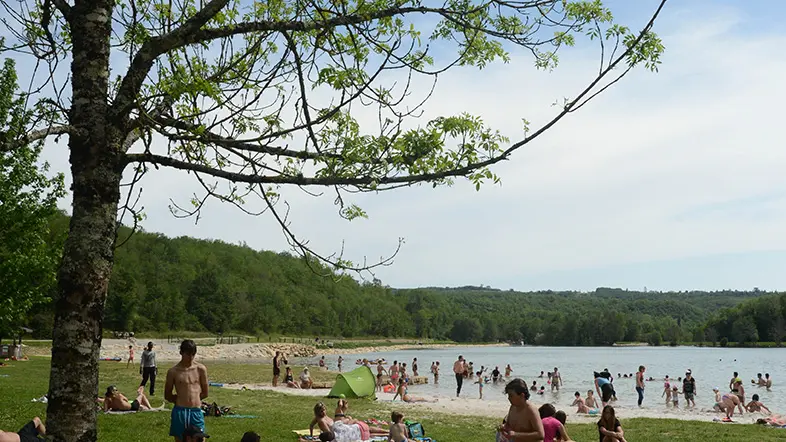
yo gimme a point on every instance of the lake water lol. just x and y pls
(711, 367)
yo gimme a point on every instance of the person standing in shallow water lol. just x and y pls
(640, 383)
(458, 370)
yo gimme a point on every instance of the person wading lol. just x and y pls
(458, 370)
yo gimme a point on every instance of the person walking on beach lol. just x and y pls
(640, 383)
(130, 356)
(277, 366)
(148, 369)
(186, 386)
(458, 370)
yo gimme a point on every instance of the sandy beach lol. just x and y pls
(113, 348)
(471, 406)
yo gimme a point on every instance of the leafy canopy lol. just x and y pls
(28, 197)
(252, 95)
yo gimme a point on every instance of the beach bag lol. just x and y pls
(415, 430)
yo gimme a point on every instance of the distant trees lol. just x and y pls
(761, 319)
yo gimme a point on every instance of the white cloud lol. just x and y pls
(619, 182)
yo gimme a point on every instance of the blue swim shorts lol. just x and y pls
(182, 417)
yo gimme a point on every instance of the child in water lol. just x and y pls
(480, 383)
(675, 397)
(667, 392)
(591, 402)
(579, 401)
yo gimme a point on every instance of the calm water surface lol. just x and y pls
(712, 367)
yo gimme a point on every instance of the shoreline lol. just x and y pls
(473, 407)
(113, 348)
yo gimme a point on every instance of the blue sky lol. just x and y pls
(669, 181)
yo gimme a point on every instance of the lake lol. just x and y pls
(712, 367)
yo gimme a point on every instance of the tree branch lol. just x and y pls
(152, 49)
(9, 145)
(63, 7)
(208, 137)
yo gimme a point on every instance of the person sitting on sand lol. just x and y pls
(523, 419)
(756, 406)
(320, 420)
(590, 401)
(403, 393)
(579, 402)
(553, 430)
(609, 428)
(398, 430)
(305, 379)
(28, 433)
(116, 401)
(289, 380)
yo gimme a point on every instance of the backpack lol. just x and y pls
(415, 430)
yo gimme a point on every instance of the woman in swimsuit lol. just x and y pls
(366, 431)
(289, 380)
(402, 391)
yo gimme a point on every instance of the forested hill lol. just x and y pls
(164, 284)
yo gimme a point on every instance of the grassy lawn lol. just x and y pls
(279, 414)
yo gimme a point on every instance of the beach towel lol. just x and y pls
(139, 411)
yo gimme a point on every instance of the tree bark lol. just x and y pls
(88, 253)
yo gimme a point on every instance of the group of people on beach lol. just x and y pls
(304, 380)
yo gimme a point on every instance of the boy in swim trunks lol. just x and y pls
(28, 433)
(186, 386)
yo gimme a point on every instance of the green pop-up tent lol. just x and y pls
(357, 383)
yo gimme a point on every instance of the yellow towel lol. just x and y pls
(305, 432)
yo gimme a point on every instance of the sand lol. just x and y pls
(466, 406)
(111, 348)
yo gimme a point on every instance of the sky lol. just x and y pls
(670, 181)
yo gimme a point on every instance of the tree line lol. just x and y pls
(762, 319)
(163, 284)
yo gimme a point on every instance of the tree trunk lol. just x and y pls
(88, 253)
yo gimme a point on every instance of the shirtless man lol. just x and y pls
(458, 370)
(522, 424)
(767, 381)
(186, 386)
(28, 433)
(116, 401)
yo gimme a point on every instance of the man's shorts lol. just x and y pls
(135, 405)
(28, 433)
(688, 396)
(183, 417)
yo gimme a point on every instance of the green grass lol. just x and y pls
(279, 414)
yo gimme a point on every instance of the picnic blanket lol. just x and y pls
(303, 436)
